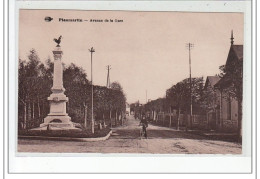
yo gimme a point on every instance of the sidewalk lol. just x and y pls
(211, 135)
(214, 135)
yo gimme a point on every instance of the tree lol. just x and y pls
(116, 86)
(119, 100)
(77, 90)
(34, 88)
(179, 95)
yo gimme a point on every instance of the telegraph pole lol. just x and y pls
(85, 114)
(92, 50)
(108, 77)
(190, 46)
(146, 96)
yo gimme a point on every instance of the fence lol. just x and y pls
(171, 120)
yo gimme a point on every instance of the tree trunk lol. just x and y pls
(104, 118)
(43, 111)
(29, 116)
(163, 118)
(116, 118)
(178, 119)
(170, 123)
(157, 117)
(208, 121)
(110, 118)
(33, 111)
(191, 121)
(85, 115)
(122, 118)
(119, 117)
(25, 116)
(39, 108)
(186, 121)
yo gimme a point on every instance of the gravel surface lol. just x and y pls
(125, 139)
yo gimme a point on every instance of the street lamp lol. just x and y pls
(190, 46)
(92, 117)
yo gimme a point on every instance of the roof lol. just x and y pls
(212, 80)
(224, 81)
(239, 51)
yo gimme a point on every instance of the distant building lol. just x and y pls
(230, 89)
(127, 108)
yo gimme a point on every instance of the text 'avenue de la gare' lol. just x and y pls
(90, 20)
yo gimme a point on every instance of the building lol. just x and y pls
(127, 109)
(212, 98)
(230, 88)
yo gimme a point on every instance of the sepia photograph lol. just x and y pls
(130, 82)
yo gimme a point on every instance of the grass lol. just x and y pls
(65, 133)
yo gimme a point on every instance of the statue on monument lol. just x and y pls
(58, 41)
(58, 118)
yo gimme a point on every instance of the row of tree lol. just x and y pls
(35, 82)
(177, 98)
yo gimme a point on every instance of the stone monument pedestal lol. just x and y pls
(58, 118)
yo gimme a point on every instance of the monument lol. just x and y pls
(57, 118)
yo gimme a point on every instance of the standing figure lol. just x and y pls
(144, 124)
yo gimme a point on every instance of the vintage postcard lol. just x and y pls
(135, 82)
(131, 82)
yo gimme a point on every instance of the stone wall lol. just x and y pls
(230, 126)
(199, 122)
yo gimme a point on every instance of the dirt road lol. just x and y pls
(125, 139)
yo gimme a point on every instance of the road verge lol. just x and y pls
(67, 138)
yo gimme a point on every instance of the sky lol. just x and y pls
(147, 51)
